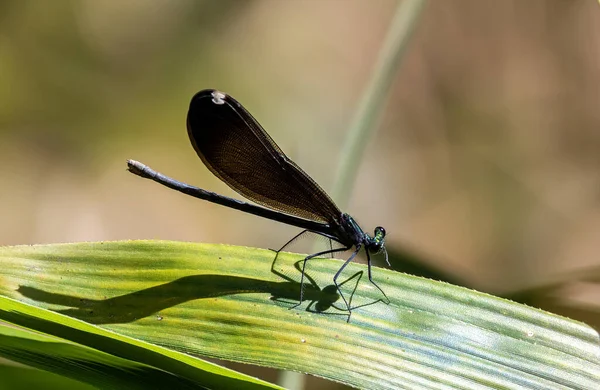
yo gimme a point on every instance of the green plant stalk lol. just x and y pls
(364, 122)
(373, 99)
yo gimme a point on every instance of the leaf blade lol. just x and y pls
(215, 300)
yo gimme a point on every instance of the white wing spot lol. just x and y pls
(218, 97)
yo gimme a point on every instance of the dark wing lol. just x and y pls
(238, 151)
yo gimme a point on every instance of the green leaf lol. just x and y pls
(23, 378)
(124, 362)
(573, 293)
(232, 303)
(79, 362)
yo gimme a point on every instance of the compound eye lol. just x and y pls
(379, 231)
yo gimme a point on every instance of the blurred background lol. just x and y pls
(484, 168)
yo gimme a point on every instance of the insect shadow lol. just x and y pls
(320, 300)
(146, 302)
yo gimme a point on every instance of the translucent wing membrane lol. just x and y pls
(234, 146)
